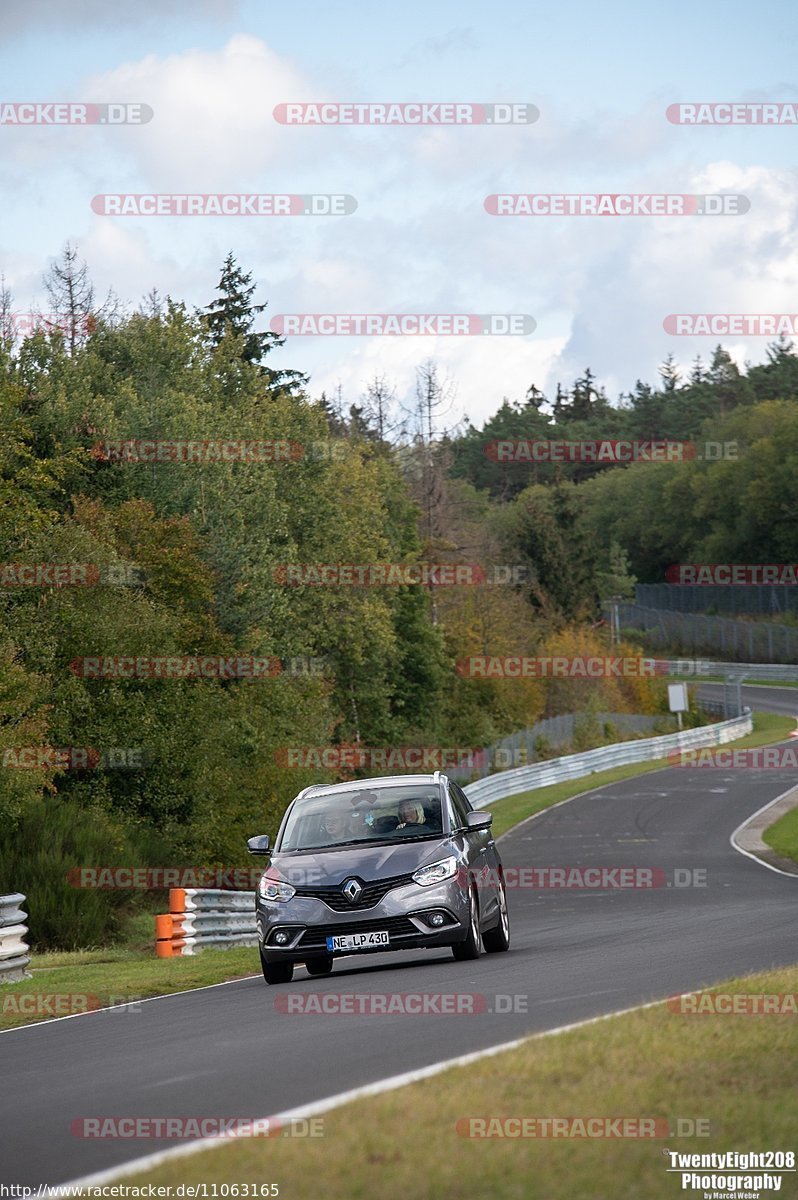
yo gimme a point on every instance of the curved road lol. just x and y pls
(229, 1051)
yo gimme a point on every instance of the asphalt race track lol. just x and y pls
(227, 1051)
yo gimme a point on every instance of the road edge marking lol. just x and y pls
(748, 853)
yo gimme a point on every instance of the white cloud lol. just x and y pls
(213, 128)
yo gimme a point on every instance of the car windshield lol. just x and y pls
(331, 819)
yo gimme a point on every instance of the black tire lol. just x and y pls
(276, 972)
(322, 965)
(472, 946)
(498, 939)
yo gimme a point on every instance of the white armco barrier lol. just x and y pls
(573, 766)
(698, 668)
(200, 917)
(13, 930)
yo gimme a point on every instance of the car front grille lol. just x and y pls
(316, 936)
(372, 893)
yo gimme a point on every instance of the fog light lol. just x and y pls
(436, 919)
(282, 937)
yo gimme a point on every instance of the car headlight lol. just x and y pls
(444, 868)
(275, 890)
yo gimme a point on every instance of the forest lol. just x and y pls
(161, 485)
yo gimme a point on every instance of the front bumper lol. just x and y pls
(309, 922)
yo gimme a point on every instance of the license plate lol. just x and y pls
(358, 941)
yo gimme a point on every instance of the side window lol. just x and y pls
(460, 805)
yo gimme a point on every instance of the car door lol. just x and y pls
(479, 850)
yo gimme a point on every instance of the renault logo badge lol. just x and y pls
(352, 890)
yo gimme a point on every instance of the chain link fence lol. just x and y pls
(763, 600)
(695, 634)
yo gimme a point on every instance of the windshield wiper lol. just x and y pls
(369, 841)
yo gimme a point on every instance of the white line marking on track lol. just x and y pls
(747, 821)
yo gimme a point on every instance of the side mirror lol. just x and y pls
(259, 844)
(479, 820)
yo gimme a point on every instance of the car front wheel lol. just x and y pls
(497, 939)
(276, 972)
(472, 946)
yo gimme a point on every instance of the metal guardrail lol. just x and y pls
(13, 929)
(699, 667)
(200, 917)
(574, 766)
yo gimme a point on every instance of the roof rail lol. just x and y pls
(307, 789)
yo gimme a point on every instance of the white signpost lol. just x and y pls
(677, 699)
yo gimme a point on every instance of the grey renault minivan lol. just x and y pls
(376, 865)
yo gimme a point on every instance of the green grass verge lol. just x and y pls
(734, 1072)
(133, 971)
(783, 835)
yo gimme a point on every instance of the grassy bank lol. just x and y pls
(733, 1074)
(783, 835)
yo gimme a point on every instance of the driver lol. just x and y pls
(412, 818)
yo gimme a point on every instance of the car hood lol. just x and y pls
(367, 862)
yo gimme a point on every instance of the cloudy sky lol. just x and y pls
(420, 241)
